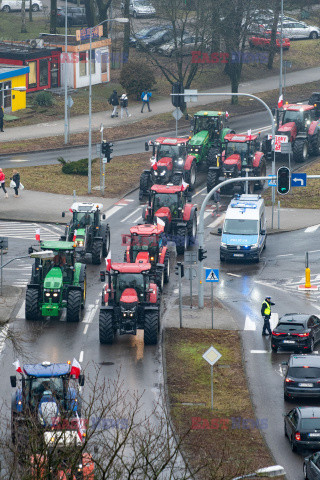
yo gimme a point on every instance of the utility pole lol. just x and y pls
(281, 51)
(66, 120)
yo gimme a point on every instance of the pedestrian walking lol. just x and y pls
(145, 97)
(16, 179)
(114, 101)
(1, 118)
(2, 183)
(124, 105)
(266, 313)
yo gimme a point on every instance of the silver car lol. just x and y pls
(295, 30)
(140, 8)
(188, 44)
(16, 5)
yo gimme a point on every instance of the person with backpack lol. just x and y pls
(114, 101)
(145, 97)
(124, 105)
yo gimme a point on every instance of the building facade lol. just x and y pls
(12, 77)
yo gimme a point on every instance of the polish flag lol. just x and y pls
(74, 235)
(80, 430)
(249, 134)
(108, 262)
(75, 368)
(227, 114)
(38, 234)
(185, 185)
(160, 222)
(280, 101)
(154, 164)
(17, 365)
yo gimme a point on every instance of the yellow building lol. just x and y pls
(12, 77)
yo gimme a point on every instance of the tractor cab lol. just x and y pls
(168, 157)
(129, 282)
(240, 150)
(144, 244)
(295, 118)
(167, 201)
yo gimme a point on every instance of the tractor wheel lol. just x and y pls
(106, 330)
(106, 243)
(83, 284)
(160, 279)
(144, 185)
(192, 230)
(212, 179)
(74, 305)
(151, 328)
(191, 175)
(176, 178)
(32, 304)
(13, 428)
(166, 268)
(315, 144)
(212, 157)
(300, 151)
(97, 253)
(181, 240)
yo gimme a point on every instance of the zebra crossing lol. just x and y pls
(291, 285)
(27, 231)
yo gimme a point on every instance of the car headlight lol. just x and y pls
(255, 245)
(196, 149)
(180, 161)
(223, 244)
(155, 173)
(162, 173)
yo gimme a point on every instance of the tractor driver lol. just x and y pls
(85, 220)
(59, 261)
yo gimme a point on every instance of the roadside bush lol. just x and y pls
(79, 167)
(44, 99)
(136, 76)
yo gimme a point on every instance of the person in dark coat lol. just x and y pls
(1, 118)
(16, 178)
(114, 101)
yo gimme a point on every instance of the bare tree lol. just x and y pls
(274, 30)
(53, 16)
(126, 38)
(23, 17)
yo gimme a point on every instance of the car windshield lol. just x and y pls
(241, 227)
(165, 200)
(142, 3)
(205, 123)
(304, 372)
(170, 151)
(37, 386)
(145, 31)
(310, 423)
(236, 147)
(131, 280)
(290, 327)
(143, 240)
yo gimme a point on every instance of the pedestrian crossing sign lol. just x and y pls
(212, 275)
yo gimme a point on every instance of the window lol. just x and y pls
(104, 62)
(43, 72)
(93, 61)
(83, 64)
(7, 95)
(32, 74)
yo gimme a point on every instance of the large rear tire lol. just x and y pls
(144, 185)
(212, 157)
(181, 240)
(166, 268)
(74, 305)
(192, 230)
(106, 330)
(300, 150)
(106, 243)
(151, 328)
(32, 311)
(191, 175)
(97, 253)
(212, 179)
(315, 144)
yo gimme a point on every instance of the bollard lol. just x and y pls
(308, 282)
(307, 286)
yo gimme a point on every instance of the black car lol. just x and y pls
(150, 43)
(302, 378)
(146, 33)
(311, 467)
(296, 331)
(302, 427)
(76, 16)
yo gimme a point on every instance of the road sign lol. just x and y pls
(298, 179)
(190, 95)
(190, 256)
(272, 182)
(211, 355)
(104, 160)
(3, 243)
(278, 140)
(286, 148)
(190, 273)
(177, 114)
(212, 275)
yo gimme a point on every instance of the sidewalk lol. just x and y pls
(80, 124)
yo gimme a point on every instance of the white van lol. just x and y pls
(244, 229)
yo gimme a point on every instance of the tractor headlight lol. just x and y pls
(80, 467)
(180, 161)
(47, 294)
(80, 243)
(163, 173)
(196, 149)
(55, 294)
(155, 173)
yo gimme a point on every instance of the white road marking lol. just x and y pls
(249, 324)
(200, 191)
(233, 274)
(129, 199)
(132, 213)
(317, 307)
(313, 251)
(311, 229)
(3, 337)
(217, 221)
(81, 357)
(259, 351)
(139, 219)
(85, 329)
(20, 314)
(112, 211)
(25, 267)
(284, 255)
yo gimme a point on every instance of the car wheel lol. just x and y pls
(135, 14)
(305, 475)
(293, 445)
(285, 430)
(6, 8)
(35, 8)
(313, 35)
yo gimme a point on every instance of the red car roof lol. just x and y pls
(147, 229)
(172, 140)
(167, 188)
(231, 137)
(296, 107)
(130, 267)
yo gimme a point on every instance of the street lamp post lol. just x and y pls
(118, 20)
(66, 122)
(281, 51)
(267, 472)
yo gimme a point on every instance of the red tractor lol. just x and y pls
(170, 162)
(300, 123)
(241, 157)
(130, 300)
(170, 204)
(145, 244)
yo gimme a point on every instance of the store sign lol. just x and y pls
(84, 33)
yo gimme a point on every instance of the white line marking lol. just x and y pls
(259, 351)
(311, 229)
(233, 274)
(20, 314)
(216, 222)
(249, 324)
(81, 356)
(132, 213)
(3, 337)
(85, 329)
(139, 219)
(112, 211)
(313, 251)
(200, 191)
(129, 199)
(317, 307)
(284, 255)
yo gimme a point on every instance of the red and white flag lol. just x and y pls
(153, 162)
(75, 368)
(280, 101)
(160, 222)
(185, 185)
(80, 430)
(38, 234)
(17, 365)
(74, 235)
(227, 114)
(108, 262)
(249, 134)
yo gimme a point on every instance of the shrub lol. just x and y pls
(79, 167)
(136, 76)
(44, 99)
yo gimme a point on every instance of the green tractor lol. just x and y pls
(57, 281)
(87, 231)
(209, 130)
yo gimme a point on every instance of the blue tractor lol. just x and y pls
(46, 392)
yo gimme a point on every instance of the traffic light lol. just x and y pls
(201, 254)
(283, 180)
(177, 101)
(106, 150)
(178, 267)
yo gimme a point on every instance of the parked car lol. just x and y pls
(296, 331)
(140, 8)
(302, 378)
(76, 16)
(16, 5)
(188, 44)
(295, 30)
(311, 467)
(159, 38)
(146, 33)
(302, 427)
(263, 41)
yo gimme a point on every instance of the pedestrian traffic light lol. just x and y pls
(283, 180)
(177, 100)
(106, 150)
(201, 254)
(178, 267)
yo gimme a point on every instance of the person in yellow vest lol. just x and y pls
(266, 313)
